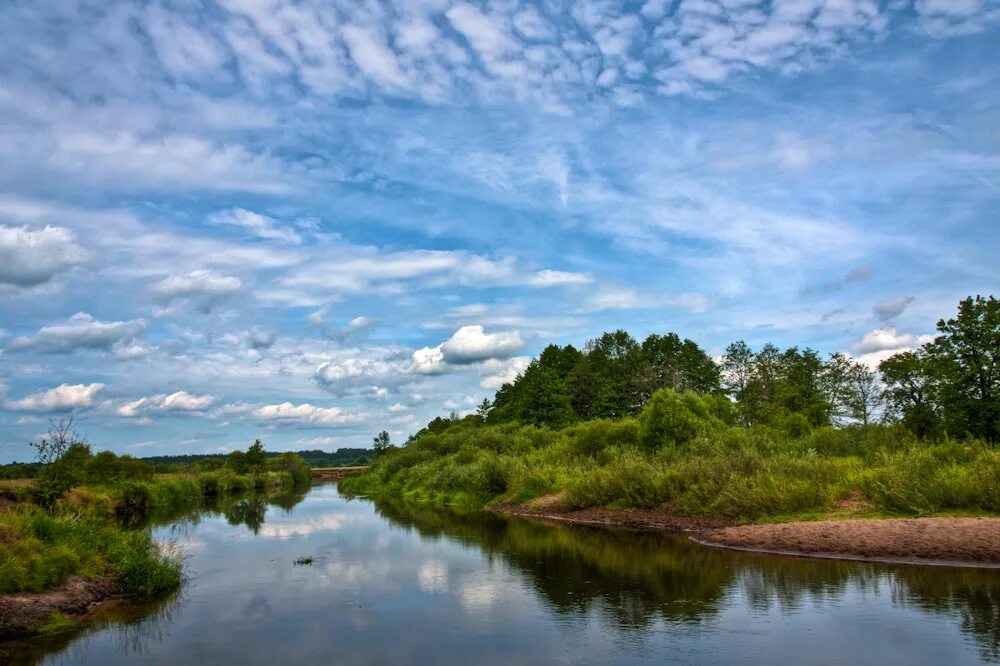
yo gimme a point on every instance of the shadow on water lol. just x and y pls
(638, 578)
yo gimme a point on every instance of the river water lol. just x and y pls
(407, 584)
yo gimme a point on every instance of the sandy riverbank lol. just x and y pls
(964, 542)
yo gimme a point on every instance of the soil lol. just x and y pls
(968, 542)
(961, 542)
(24, 613)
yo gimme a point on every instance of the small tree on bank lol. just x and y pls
(381, 443)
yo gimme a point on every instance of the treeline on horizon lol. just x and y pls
(950, 385)
(774, 433)
(343, 457)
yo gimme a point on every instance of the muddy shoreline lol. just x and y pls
(23, 614)
(953, 542)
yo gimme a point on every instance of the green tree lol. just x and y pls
(64, 454)
(669, 362)
(256, 459)
(965, 361)
(381, 443)
(910, 392)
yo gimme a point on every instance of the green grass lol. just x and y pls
(702, 469)
(39, 550)
(57, 623)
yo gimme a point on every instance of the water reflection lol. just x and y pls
(638, 578)
(399, 582)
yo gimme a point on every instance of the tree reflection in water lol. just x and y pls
(638, 578)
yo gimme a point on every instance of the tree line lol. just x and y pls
(950, 385)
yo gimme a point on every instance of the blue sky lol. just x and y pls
(308, 221)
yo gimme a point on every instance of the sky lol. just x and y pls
(308, 221)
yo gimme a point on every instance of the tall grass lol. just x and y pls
(39, 550)
(678, 455)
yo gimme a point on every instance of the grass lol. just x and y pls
(756, 474)
(39, 550)
(83, 533)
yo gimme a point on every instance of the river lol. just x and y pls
(397, 583)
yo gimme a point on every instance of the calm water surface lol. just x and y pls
(405, 584)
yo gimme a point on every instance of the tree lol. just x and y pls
(853, 391)
(483, 411)
(910, 392)
(255, 459)
(965, 361)
(64, 454)
(737, 367)
(381, 443)
(866, 394)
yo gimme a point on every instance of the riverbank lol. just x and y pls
(57, 609)
(935, 541)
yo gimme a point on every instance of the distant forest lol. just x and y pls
(345, 457)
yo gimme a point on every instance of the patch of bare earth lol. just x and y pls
(945, 541)
(549, 507)
(23, 613)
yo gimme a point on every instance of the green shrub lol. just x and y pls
(591, 437)
(674, 419)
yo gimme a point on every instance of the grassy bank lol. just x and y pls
(86, 530)
(677, 454)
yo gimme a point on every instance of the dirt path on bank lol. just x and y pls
(959, 542)
(23, 613)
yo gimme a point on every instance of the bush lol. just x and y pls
(591, 437)
(674, 419)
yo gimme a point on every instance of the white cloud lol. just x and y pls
(81, 331)
(397, 407)
(30, 257)
(197, 283)
(429, 361)
(357, 327)
(496, 373)
(181, 401)
(204, 288)
(62, 398)
(373, 56)
(471, 344)
(628, 298)
(305, 414)
(888, 338)
(549, 278)
(257, 224)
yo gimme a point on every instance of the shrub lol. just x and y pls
(674, 419)
(589, 438)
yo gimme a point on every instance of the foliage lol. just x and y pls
(39, 550)
(952, 383)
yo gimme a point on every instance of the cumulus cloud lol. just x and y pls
(429, 361)
(304, 414)
(888, 310)
(495, 373)
(81, 331)
(180, 401)
(257, 224)
(888, 338)
(30, 257)
(63, 398)
(471, 344)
